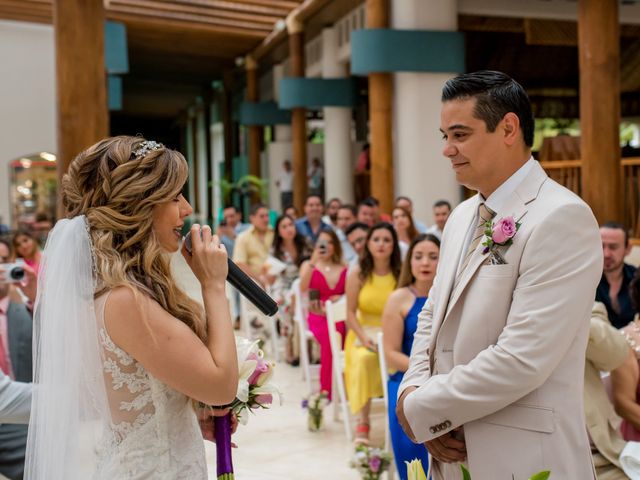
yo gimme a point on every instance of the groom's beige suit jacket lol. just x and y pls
(502, 355)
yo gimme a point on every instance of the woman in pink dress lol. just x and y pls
(324, 277)
(26, 247)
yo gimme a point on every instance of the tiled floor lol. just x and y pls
(276, 444)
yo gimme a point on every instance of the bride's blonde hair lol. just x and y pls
(116, 183)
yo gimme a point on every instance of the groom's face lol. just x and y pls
(472, 150)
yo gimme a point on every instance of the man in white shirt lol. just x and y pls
(285, 184)
(496, 373)
(441, 212)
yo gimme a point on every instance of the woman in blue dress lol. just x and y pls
(399, 322)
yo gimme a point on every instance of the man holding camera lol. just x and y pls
(15, 357)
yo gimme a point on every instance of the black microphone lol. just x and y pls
(245, 285)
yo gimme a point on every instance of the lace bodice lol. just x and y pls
(153, 432)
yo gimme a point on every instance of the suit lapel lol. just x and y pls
(447, 271)
(516, 205)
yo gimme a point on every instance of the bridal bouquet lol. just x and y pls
(538, 476)
(371, 462)
(254, 391)
(415, 471)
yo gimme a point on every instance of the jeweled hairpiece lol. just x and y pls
(146, 147)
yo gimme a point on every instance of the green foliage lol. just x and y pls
(544, 475)
(245, 185)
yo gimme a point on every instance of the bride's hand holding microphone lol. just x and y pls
(208, 258)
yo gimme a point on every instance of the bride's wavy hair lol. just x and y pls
(116, 183)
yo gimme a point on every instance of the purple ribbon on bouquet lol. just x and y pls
(222, 433)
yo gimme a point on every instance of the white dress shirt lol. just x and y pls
(497, 199)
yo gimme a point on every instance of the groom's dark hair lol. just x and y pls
(496, 95)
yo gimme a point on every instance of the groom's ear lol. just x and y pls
(510, 126)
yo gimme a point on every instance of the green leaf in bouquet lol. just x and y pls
(541, 475)
(465, 473)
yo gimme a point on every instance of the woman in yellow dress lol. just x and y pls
(368, 286)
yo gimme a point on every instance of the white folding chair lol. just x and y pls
(300, 317)
(384, 376)
(337, 312)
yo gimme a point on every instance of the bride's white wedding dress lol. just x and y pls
(153, 432)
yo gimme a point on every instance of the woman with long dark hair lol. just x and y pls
(368, 286)
(291, 248)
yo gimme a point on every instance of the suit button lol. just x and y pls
(432, 430)
(447, 424)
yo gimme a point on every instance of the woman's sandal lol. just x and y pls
(362, 434)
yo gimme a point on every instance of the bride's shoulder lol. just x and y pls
(128, 309)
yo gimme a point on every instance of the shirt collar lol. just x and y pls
(498, 198)
(4, 305)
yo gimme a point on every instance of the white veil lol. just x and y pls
(69, 405)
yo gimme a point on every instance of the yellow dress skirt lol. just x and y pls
(362, 370)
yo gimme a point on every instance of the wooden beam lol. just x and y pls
(18, 16)
(599, 51)
(284, 4)
(240, 29)
(81, 79)
(550, 32)
(266, 9)
(259, 20)
(380, 116)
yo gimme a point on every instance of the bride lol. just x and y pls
(121, 352)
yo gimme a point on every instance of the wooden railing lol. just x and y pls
(569, 173)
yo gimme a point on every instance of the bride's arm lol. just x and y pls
(167, 348)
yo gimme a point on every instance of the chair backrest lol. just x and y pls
(384, 373)
(336, 312)
(299, 313)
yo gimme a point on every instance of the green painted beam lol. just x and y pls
(263, 113)
(386, 50)
(296, 92)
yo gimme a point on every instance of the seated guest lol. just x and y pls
(291, 211)
(331, 212)
(607, 351)
(15, 400)
(15, 361)
(367, 212)
(311, 224)
(369, 285)
(399, 323)
(613, 289)
(378, 216)
(26, 247)
(356, 235)
(441, 212)
(290, 248)
(346, 217)
(405, 228)
(407, 204)
(252, 246)
(230, 227)
(326, 274)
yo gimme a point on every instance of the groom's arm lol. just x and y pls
(559, 269)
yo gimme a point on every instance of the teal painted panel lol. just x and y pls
(297, 92)
(263, 113)
(116, 56)
(385, 50)
(114, 92)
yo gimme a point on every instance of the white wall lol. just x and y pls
(27, 97)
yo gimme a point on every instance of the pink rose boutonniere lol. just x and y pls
(500, 233)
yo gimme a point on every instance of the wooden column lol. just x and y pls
(227, 123)
(380, 117)
(81, 80)
(599, 50)
(298, 116)
(255, 131)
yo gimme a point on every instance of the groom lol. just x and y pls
(496, 373)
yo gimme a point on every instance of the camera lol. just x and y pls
(322, 246)
(13, 272)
